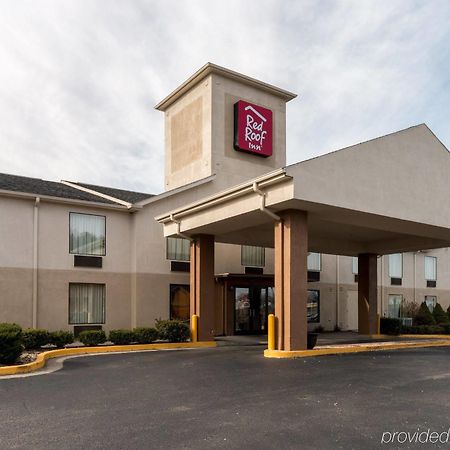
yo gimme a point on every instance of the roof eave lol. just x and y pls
(50, 199)
(210, 68)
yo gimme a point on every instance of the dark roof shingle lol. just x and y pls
(38, 186)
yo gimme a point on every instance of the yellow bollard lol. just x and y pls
(194, 328)
(271, 332)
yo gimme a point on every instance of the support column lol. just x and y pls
(202, 285)
(291, 275)
(367, 294)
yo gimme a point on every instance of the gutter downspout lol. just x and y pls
(414, 275)
(382, 312)
(35, 262)
(337, 292)
(263, 207)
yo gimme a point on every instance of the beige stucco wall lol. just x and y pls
(236, 167)
(188, 129)
(153, 278)
(206, 134)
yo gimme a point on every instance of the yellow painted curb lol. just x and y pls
(425, 336)
(354, 349)
(42, 357)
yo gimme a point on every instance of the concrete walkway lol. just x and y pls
(324, 339)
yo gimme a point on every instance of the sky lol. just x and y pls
(79, 78)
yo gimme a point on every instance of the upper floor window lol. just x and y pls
(430, 268)
(315, 261)
(396, 265)
(355, 265)
(178, 249)
(87, 234)
(252, 256)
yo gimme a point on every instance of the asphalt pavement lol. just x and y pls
(230, 397)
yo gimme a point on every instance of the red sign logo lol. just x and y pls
(252, 129)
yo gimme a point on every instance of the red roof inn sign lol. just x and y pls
(252, 129)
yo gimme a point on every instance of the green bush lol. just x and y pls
(439, 314)
(426, 329)
(10, 342)
(173, 330)
(390, 325)
(35, 338)
(145, 335)
(60, 338)
(92, 337)
(424, 316)
(448, 313)
(122, 337)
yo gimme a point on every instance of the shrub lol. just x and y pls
(424, 316)
(448, 313)
(173, 330)
(409, 308)
(121, 337)
(34, 338)
(60, 338)
(425, 329)
(145, 335)
(389, 325)
(92, 337)
(10, 342)
(439, 314)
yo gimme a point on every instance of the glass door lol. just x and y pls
(252, 305)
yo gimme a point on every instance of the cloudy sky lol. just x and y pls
(79, 78)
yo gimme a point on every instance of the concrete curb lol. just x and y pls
(44, 356)
(356, 348)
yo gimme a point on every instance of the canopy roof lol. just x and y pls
(387, 195)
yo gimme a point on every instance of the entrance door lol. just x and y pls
(252, 305)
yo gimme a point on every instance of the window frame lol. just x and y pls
(435, 302)
(389, 266)
(318, 306)
(399, 306)
(320, 262)
(253, 265)
(435, 267)
(172, 287)
(167, 250)
(355, 258)
(88, 214)
(86, 323)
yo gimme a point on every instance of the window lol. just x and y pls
(394, 306)
(430, 268)
(315, 262)
(178, 249)
(430, 301)
(252, 256)
(86, 303)
(313, 305)
(396, 265)
(87, 235)
(179, 301)
(355, 265)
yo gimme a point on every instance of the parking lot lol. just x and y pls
(229, 397)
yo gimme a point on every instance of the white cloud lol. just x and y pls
(79, 78)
